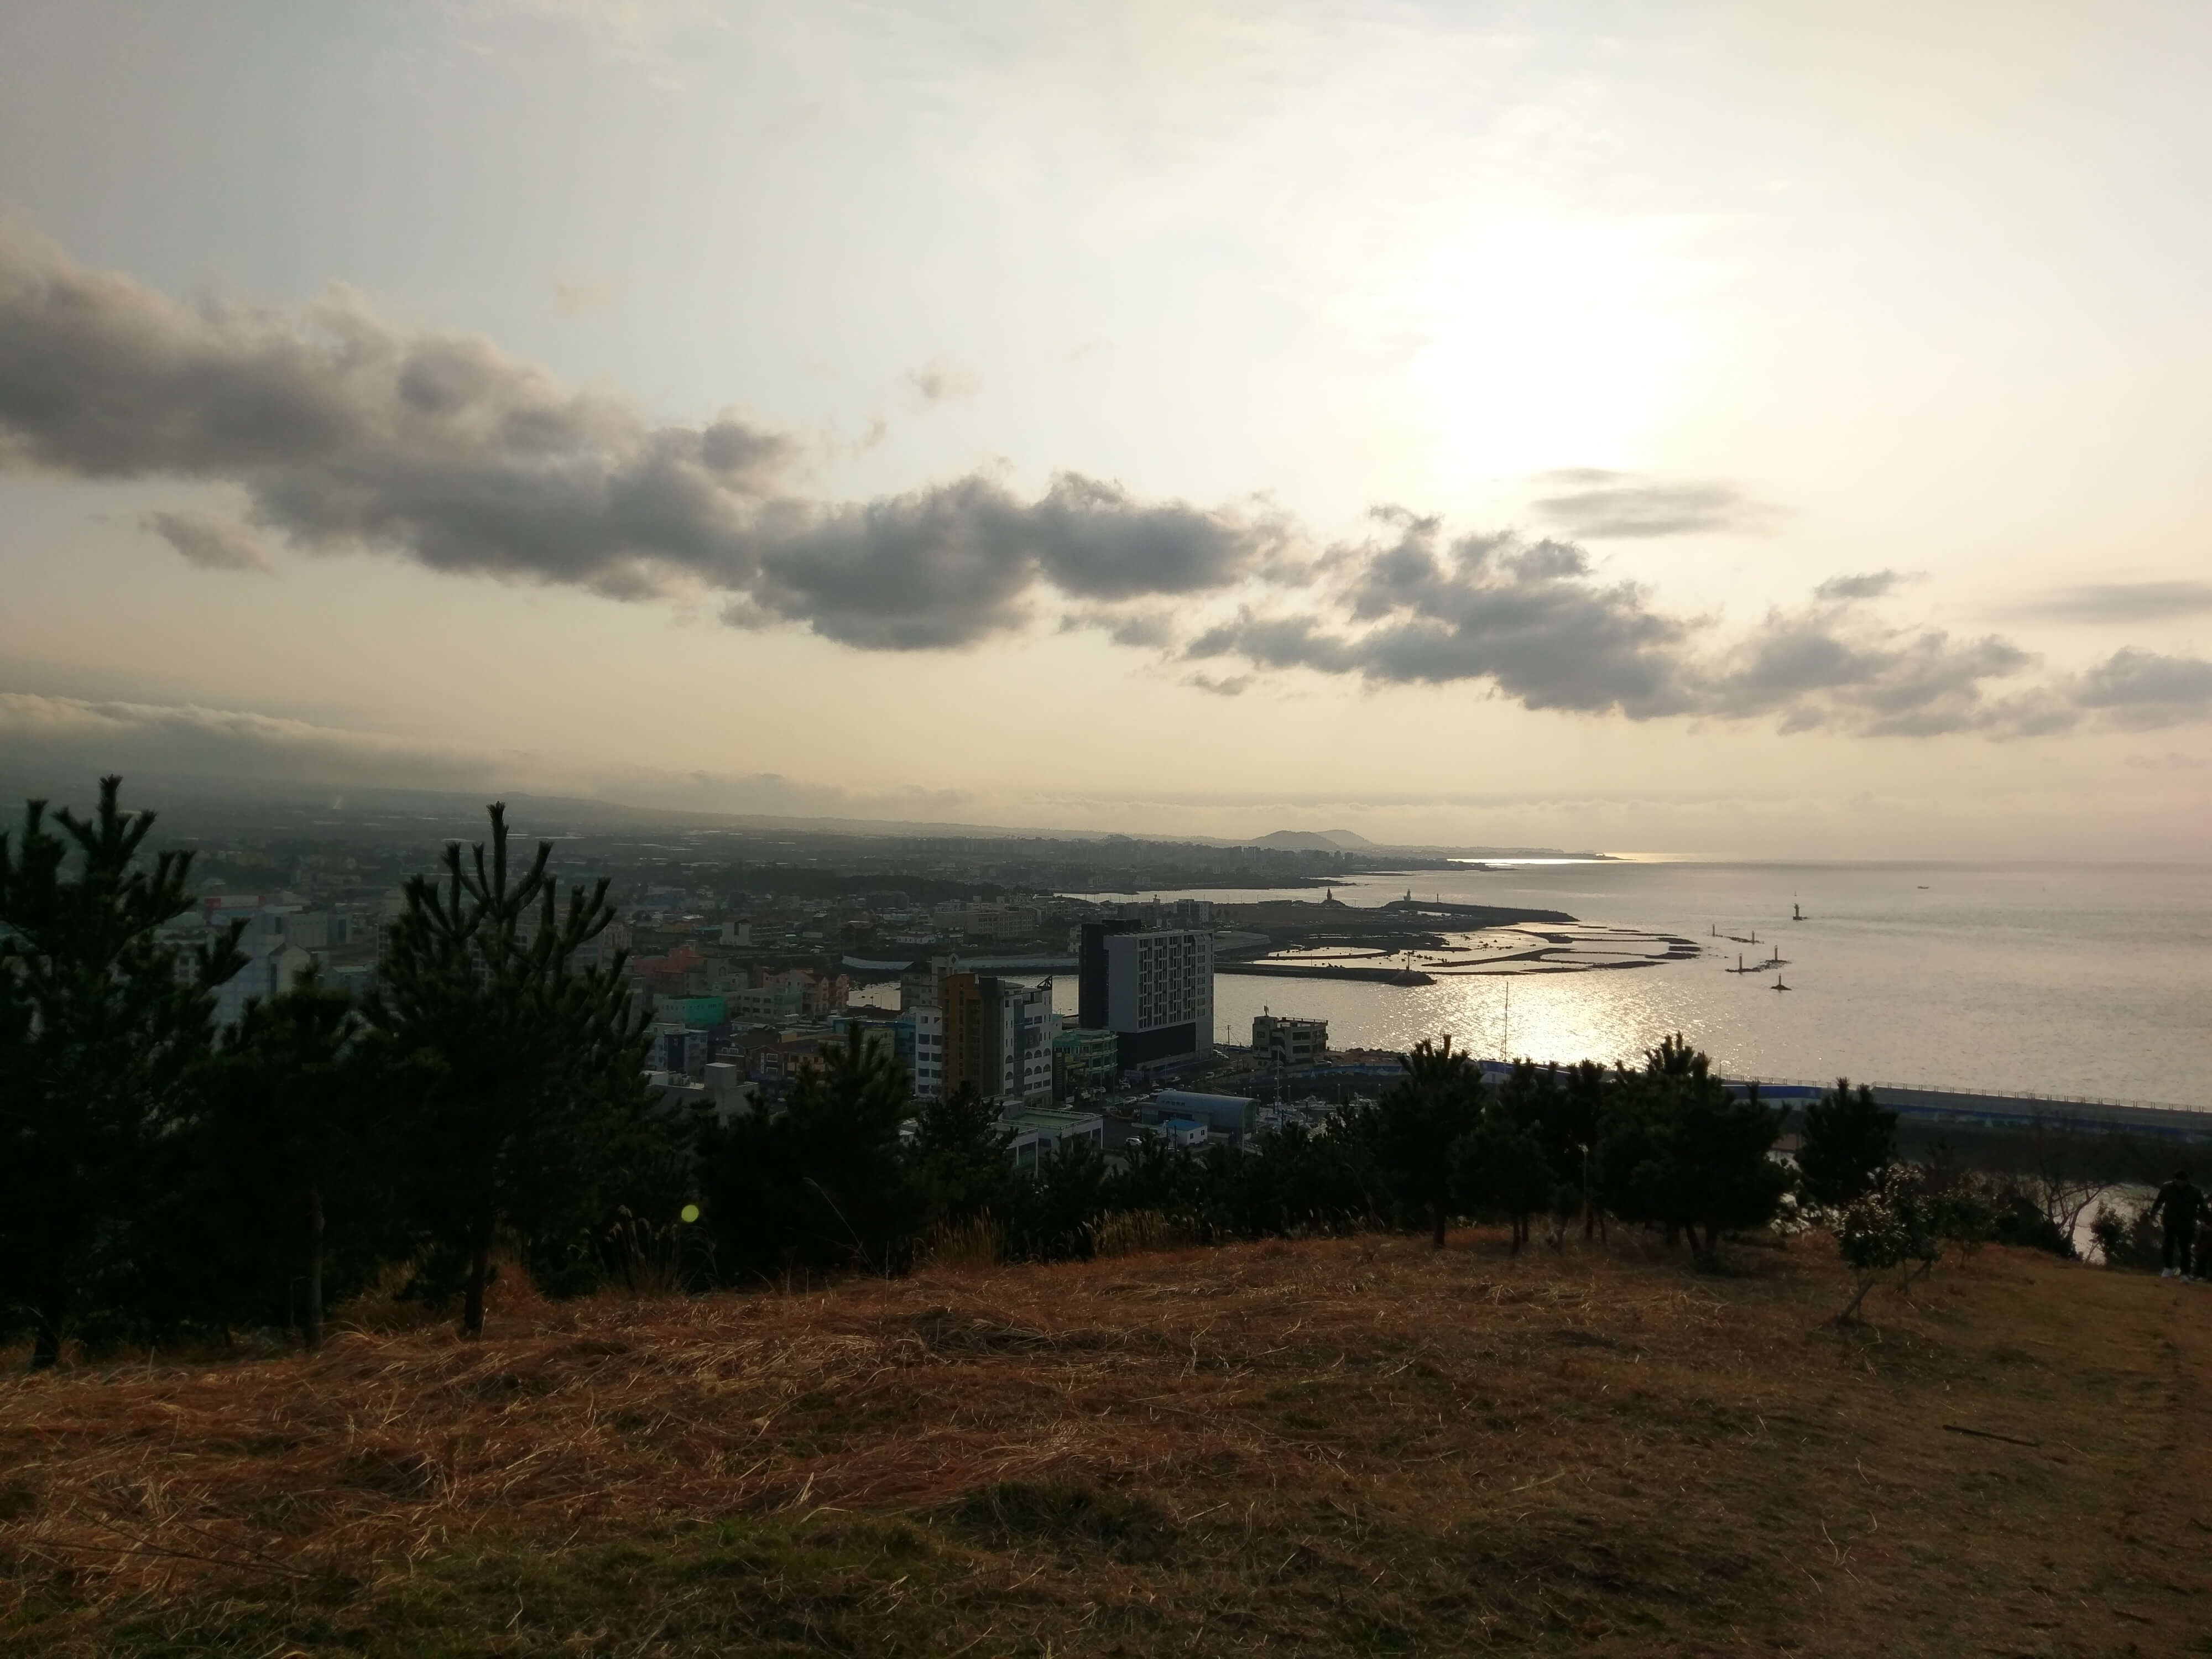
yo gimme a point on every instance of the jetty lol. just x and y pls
(1324, 970)
(1960, 1108)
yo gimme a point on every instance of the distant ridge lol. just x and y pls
(190, 801)
(1323, 841)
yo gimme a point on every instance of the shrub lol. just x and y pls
(2127, 1238)
(1889, 1228)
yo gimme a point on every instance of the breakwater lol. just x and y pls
(1324, 970)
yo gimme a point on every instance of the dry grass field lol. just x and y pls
(1352, 1446)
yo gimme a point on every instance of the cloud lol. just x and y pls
(1534, 623)
(347, 432)
(74, 738)
(91, 737)
(941, 383)
(1872, 585)
(2119, 602)
(1233, 685)
(2172, 761)
(1604, 505)
(2142, 689)
(210, 542)
(1526, 617)
(956, 564)
(1138, 629)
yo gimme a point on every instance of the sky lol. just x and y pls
(1706, 428)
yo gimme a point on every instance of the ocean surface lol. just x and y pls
(2069, 980)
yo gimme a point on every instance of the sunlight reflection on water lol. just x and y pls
(2056, 979)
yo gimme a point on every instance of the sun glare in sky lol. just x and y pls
(1696, 427)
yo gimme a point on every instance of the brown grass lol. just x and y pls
(1347, 1446)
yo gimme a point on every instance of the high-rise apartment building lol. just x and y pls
(929, 1051)
(1153, 990)
(998, 1036)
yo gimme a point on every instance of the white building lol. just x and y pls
(929, 1051)
(1027, 1026)
(272, 967)
(1159, 994)
(1280, 1040)
(1042, 1132)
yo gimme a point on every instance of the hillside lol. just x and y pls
(1336, 1447)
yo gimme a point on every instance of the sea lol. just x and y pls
(2073, 981)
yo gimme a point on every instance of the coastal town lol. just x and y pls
(955, 958)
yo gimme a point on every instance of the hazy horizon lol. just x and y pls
(1711, 430)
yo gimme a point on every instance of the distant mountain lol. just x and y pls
(1314, 840)
(202, 803)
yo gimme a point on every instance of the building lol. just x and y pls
(729, 1091)
(1280, 1040)
(702, 1012)
(679, 1050)
(272, 967)
(1230, 1116)
(998, 1036)
(1039, 1133)
(929, 1051)
(918, 984)
(767, 1004)
(1085, 1064)
(1153, 989)
(1091, 966)
(1181, 1134)
(999, 921)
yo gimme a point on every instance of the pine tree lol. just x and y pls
(824, 1183)
(288, 1156)
(100, 1026)
(1681, 1150)
(959, 1154)
(535, 1063)
(1848, 1142)
(1418, 1123)
(1500, 1165)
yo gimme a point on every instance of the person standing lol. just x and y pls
(2182, 1204)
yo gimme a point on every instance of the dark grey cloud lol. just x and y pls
(1535, 622)
(1140, 630)
(953, 564)
(1598, 506)
(210, 541)
(347, 433)
(1527, 617)
(2119, 602)
(1233, 685)
(2142, 689)
(344, 432)
(1870, 585)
